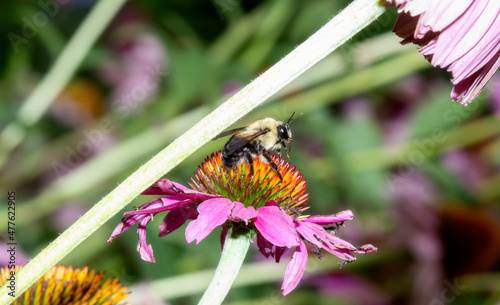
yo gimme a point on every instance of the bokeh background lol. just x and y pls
(378, 135)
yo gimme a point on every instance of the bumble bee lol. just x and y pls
(257, 139)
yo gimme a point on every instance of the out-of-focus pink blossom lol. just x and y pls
(10, 256)
(136, 71)
(461, 35)
(495, 94)
(348, 287)
(418, 230)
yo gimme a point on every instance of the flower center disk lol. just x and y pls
(252, 190)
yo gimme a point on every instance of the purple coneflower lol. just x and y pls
(461, 35)
(232, 198)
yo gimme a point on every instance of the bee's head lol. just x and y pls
(285, 133)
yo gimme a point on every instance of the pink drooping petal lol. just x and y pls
(146, 252)
(125, 224)
(159, 205)
(342, 253)
(165, 187)
(176, 218)
(265, 247)
(478, 61)
(268, 249)
(144, 249)
(330, 219)
(278, 252)
(364, 249)
(276, 226)
(213, 213)
(470, 88)
(119, 229)
(318, 236)
(295, 269)
(223, 238)
(309, 233)
(243, 213)
(146, 210)
(337, 241)
(166, 203)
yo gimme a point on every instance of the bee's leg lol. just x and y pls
(279, 144)
(249, 158)
(274, 166)
(296, 212)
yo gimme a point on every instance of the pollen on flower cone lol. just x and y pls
(252, 190)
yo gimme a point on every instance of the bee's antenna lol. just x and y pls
(290, 120)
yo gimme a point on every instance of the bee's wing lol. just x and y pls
(227, 132)
(236, 143)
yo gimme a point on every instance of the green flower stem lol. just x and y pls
(341, 28)
(59, 75)
(234, 252)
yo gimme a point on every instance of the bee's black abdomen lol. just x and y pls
(231, 157)
(231, 160)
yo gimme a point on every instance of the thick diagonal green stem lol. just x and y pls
(341, 28)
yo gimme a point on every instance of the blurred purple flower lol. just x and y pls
(495, 94)
(278, 227)
(461, 35)
(10, 257)
(466, 166)
(418, 231)
(137, 70)
(349, 287)
(69, 212)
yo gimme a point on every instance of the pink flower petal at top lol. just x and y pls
(446, 12)
(461, 35)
